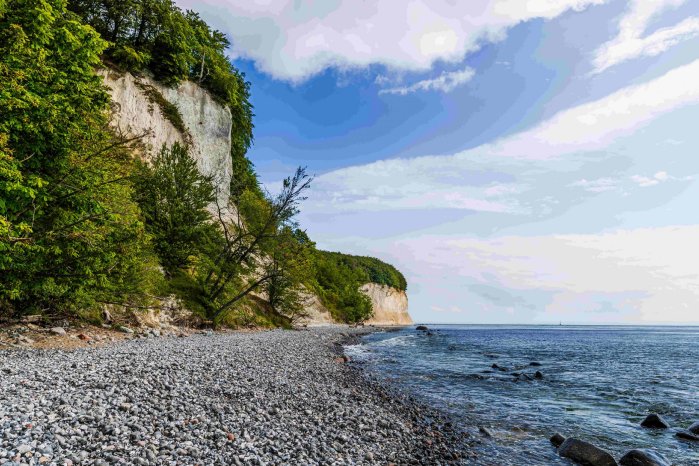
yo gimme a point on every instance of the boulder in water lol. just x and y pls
(694, 428)
(654, 421)
(422, 328)
(643, 458)
(535, 364)
(686, 435)
(538, 375)
(585, 453)
(486, 432)
(557, 439)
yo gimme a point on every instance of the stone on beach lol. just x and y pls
(585, 453)
(58, 331)
(654, 421)
(269, 398)
(643, 458)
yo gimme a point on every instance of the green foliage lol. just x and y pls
(175, 46)
(338, 278)
(168, 109)
(173, 196)
(69, 233)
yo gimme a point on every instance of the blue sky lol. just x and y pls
(522, 161)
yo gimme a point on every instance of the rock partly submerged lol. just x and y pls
(642, 457)
(585, 453)
(654, 421)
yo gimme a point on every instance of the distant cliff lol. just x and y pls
(390, 305)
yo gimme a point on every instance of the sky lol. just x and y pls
(520, 161)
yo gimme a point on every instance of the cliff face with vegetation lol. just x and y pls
(109, 179)
(187, 114)
(164, 115)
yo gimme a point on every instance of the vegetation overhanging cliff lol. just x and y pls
(84, 223)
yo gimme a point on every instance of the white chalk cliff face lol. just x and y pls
(390, 305)
(208, 126)
(208, 122)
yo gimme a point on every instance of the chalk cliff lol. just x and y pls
(390, 305)
(205, 127)
(208, 124)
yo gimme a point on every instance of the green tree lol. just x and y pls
(70, 233)
(173, 196)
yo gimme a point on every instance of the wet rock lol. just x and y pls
(686, 435)
(654, 421)
(58, 331)
(535, 364)
(694, 428)
(485, 431)
(585, 453)
(643, 458)
(538, 375)
(422, 328)
(557, 439)
(500, 368)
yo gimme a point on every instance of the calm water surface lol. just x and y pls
(599, 383)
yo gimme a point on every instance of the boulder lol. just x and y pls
(694, 428)
(686, 435)
(535, 364)
(486, 432)
(654, 421)
(643, 458)
(557, 439)
(585, 453)
(125, 329)
(538, 375)
(422, 328)
(58, 331)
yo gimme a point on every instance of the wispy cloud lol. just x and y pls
(630, 42)
(482, 179)
(446, 82)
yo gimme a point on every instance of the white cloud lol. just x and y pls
(439, 181)
(630, 42)
(294, 40)
(446, 82)
(599, 185)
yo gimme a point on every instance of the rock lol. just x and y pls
(486, 432)
(538, 375)
(643, 458)
(535, 364)
(694, 428)
(654, 421)
(557, 439)
(422, 328)
(500, 368)
(585, 453)
(58, 331)
(84, 337)
(106, 316)
(31, 318)
(686, 435)
(124, 329)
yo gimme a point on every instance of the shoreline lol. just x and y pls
(267, 397)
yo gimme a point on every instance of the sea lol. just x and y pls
(599, 383)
